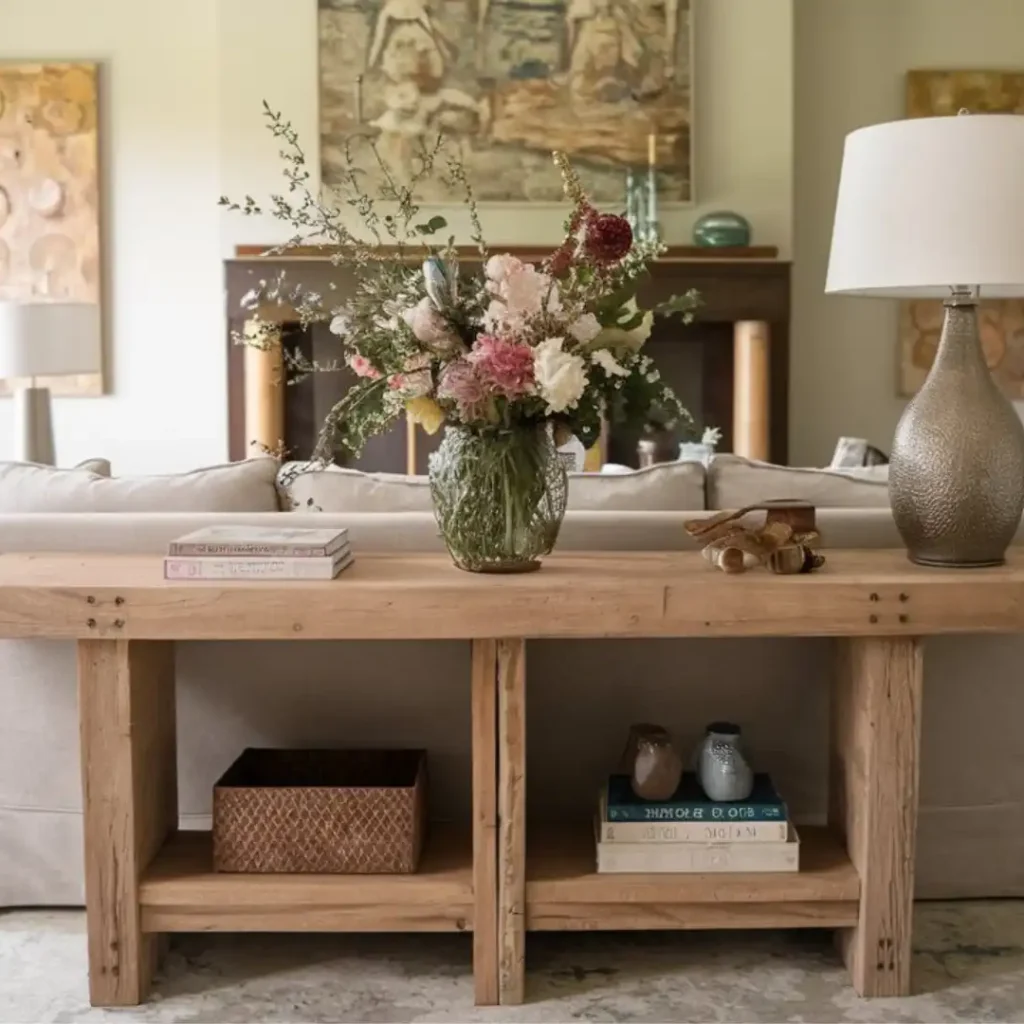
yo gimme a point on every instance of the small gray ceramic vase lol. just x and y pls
(722, 769)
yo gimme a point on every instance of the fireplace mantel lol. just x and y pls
(745, 384)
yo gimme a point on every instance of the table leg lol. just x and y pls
(875, 745)
(485, 821)
(512, 820)
(129, 779)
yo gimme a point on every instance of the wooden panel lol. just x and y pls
(575, 595)
(579, 917)
(126, 707)
(532, 253)
(182, 892)
(561, 870)
(512, 818)
(485, 821)
(873, 791)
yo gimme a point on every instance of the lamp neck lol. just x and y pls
(963, 295)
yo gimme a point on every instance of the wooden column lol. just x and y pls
(875, 745)
(485, 821)
(512, 820)
(751, 389)
(130, 790)
(264, 388)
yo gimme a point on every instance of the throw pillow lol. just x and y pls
(734, 482)
(236, 487)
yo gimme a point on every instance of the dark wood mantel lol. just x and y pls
(745, 383)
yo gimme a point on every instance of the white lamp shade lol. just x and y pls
(49, 339)
(929, 203)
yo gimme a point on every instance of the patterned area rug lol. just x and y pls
(968, 966)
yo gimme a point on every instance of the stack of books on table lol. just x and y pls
(258, 552)
(692, 834)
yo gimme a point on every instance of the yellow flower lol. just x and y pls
(426, 412)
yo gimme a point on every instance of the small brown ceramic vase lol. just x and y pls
(652, 762)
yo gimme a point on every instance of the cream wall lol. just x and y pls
(159, 164)
(851, 56)
(181, 123)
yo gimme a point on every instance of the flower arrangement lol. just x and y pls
(514, 357)
(509, 344)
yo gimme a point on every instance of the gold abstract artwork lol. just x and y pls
(49, 192)
(508, 81)
(1001, 322)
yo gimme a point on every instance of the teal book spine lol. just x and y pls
(697, 812)
(690, 804)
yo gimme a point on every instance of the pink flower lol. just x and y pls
(499, 267)
(430, 327)
(504, 367)
(414, 384)
(460, 383)
(362, 367)
(520, 292)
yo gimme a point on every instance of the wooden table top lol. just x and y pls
(857, 593)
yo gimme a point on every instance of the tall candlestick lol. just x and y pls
(652, 150)
(359, 99)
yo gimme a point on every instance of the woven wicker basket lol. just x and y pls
(321, 811)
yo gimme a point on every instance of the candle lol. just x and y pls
(652, 150)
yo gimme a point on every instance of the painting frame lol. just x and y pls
(684, 65)
(944, 92)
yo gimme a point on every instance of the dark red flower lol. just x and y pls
(608, 237)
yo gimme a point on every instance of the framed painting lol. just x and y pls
(507, 81)
(1001, 322)
(49, 192)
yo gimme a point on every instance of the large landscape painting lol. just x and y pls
(508, 81)
(1000, 321)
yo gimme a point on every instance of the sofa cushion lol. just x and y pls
(236, 487)
(673, 486)
(734, 482)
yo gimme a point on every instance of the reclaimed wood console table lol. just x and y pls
(144, 878)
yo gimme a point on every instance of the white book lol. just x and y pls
(207, 568)
(699, 858)
(686, 831)
(260, 541)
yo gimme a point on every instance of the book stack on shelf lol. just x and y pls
(692, 834)
(258, 552)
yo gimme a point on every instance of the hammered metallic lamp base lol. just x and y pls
(956, 477)
(939, 563)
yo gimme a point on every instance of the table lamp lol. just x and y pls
(46, 339)
(934, 208)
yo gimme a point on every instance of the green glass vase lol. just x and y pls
(499, 496)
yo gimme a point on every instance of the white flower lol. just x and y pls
(561, 376)
(616, 337)
(586, 329)
(711, 437)
(341, 324)
(609, 363)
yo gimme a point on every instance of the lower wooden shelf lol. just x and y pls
(180, 892)
(565, 892)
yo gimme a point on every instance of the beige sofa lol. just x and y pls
(582, 694)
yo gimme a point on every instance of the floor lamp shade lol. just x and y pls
(934, 207)
(47, 339)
